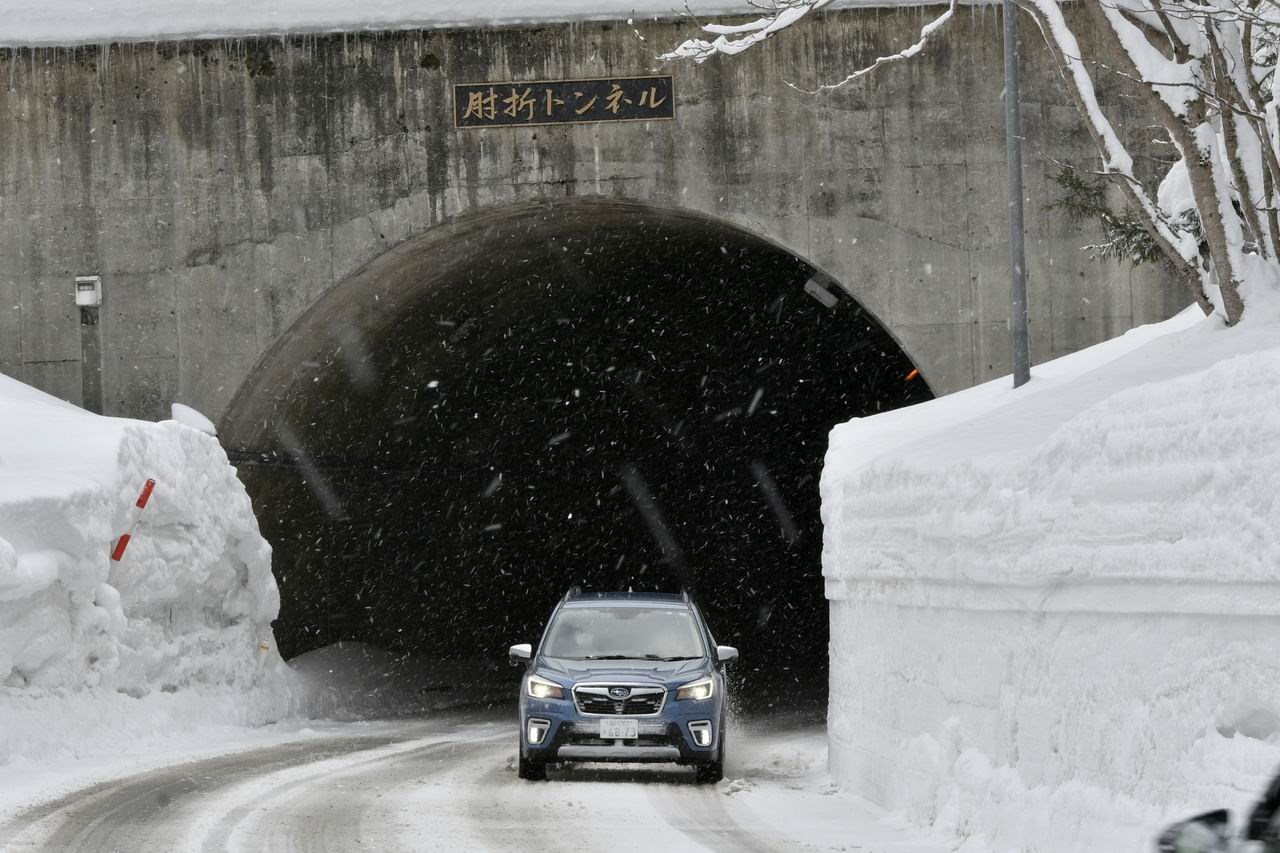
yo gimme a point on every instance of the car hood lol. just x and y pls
(630, 671)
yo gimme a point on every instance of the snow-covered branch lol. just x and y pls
(1202, 71)
(784, 14)
(925, 33)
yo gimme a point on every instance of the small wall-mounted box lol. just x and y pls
(820, 290)
(88, 291)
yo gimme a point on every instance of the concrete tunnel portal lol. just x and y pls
(588, 391)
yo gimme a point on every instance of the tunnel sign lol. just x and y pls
(540, 102)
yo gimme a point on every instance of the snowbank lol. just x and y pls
(174, 635)
(1053, 611)
(352, 680)
(188, 416)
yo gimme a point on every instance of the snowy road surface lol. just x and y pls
(447, 783)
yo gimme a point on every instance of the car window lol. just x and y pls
(585, 633)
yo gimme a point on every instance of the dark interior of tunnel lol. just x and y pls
(583, 394)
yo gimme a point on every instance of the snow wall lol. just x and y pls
(169, 638)
(1054, 611)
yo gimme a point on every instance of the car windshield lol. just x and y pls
(624, 633)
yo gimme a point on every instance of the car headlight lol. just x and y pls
(541, 688)
(703, 688)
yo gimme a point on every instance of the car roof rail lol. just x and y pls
(573, 592)
(684, 595)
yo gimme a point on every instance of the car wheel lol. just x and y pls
(535, 771)
(709, 774)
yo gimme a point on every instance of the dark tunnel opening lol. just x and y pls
(593, 393)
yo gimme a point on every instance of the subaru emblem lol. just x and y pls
(619, 692)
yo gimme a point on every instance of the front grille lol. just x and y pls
(605, 705)
(640, 701)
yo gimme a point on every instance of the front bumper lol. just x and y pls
(619, 754)
(664, 737)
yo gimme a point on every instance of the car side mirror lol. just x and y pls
(520, 653)
(1206, 833)
(726, 654)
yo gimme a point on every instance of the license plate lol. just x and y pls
(619, 729)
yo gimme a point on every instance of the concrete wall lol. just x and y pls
(221, 187)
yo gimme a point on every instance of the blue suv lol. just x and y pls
(630, 677)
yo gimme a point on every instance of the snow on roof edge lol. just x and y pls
(73, 23)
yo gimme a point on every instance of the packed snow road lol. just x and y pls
(447, 783)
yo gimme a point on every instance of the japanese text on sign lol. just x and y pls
(563, 101)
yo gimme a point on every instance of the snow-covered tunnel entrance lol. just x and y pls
(589, 391)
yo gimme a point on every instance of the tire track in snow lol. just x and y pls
(336, 808)
(700, 814)
(292, 810)
(440, 784)
(509, 811)
(113, 815)
(143, 811)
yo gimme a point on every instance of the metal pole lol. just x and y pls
(90, 359)
(1017, 251)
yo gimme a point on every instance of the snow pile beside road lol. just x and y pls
(169, 636)
(351, 680)
(1054, 611)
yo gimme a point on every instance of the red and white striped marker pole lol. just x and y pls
(138, 506)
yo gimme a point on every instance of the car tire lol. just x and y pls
(709, 774)
(534, 771)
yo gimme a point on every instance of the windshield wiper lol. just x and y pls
(640, 657)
